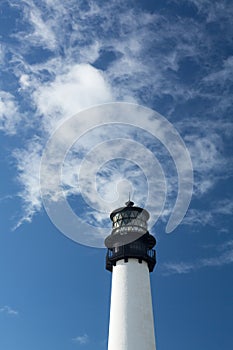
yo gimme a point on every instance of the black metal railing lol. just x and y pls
(135, 249)
(132, 250)
(151, 253)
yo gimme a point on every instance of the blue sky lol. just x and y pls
(59, 58)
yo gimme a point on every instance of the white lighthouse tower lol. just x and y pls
(130, 258)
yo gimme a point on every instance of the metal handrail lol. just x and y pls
(124, 251)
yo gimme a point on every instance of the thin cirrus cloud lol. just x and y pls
(81, 339)
(134, 56)
(220, 208)
(10, 116)
(223, 256)
(7, 310)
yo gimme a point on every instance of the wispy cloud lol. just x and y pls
(28, 163)
(94, 58)
(7, 310)
(203, 217)
(10, 115)
(42, 32)
(213, 11)
(223, 256)
(81, 339)
(221, 76)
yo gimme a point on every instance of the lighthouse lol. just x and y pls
(130, 258)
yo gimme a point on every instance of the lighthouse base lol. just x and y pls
(131, 325)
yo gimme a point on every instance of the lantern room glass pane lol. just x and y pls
(118, 216)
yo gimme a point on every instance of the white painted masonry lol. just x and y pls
(131, 324)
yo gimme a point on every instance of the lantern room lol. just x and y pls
(129, 237)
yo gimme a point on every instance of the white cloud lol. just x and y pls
(224, 257)
(206, 159)
(177, 268)
(223, 207)
(8, 310)
(42, 33)
(24, 81)
(28, 166)
(81, 86)
(81, 339)
(2, 54)
(221, 76)
(133, 39)
(205, 143)
(110, 147)
(197, 217)
(212, 10)
(135, 35)
(202, 217)
(149, 50)
(10, 116)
